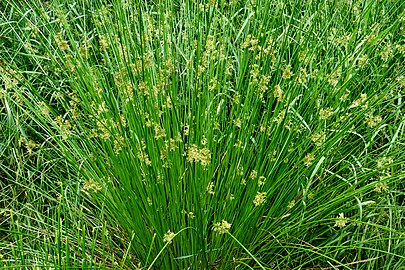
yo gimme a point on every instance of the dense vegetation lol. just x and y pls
(202, 134)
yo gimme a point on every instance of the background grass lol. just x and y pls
(202, 135)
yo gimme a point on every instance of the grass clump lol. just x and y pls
(194, 134)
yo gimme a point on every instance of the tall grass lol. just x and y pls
(202, 134)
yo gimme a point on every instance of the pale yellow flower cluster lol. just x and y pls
(325, 113)
(341, 221)
(308, 159)
(119, 143)
(253, 175)
(251, 43)
(159, 131)
(278, 93)
(381, 186)
(142, 155)
(291, 204)
(373, 121)
(238, 122)
(362, 61)
(210, 188)
(318, 138)
(262, 85)
(280, 117)
(260, 198)
(236, 98)
(62, 44)
(386, 52)
(261, 181)
(189, 214)
(345, 95)
(384, 161)
(64, 126)
(212, 53)
(103, 42)
(302, 75)
(198, 155)
(222, 227)
(44, 109)
(30, 145)
(287, 72)
(362, 101)
(92, 185)
(168, 237)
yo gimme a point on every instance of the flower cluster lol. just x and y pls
(341, 221)
(222, 227)
(92, 185)
(64, 126)
(198, 155)
(168, 237)
(260, 198)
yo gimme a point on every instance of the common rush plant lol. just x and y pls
(202, 134)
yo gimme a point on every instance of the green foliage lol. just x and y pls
(202, 134)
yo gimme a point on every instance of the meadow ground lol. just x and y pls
(202, 134)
